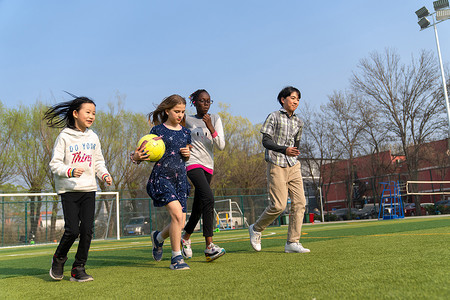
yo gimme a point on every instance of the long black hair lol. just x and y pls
(61, 115)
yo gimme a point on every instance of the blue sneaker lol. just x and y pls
(177, 263)
(157, 247)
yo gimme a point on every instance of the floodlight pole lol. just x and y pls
(444, 84)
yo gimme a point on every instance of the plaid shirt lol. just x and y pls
(285, 131)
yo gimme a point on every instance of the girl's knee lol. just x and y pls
(177, 217)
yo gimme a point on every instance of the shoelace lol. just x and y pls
(258, 238)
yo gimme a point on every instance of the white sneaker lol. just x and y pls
(186, 249)
(255, 238)
(213, 252)
(295, 248)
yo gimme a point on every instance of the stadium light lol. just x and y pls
(442, 15)
(440, 4)
(442, 12)
(423, 12)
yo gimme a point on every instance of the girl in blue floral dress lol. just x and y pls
(168, 185)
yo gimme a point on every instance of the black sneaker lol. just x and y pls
(57, 269)
(79, 274)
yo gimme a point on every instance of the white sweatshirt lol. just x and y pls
(76, 149)
(203, 142)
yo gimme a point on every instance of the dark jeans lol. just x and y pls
(203, 205)
(79, 210)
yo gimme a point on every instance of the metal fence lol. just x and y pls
(38, 218)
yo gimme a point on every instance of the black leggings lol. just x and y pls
(79, 210)
(203, 205)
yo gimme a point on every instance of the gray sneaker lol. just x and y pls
(255, 238)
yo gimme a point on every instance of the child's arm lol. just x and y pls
(270, 144)
(218, 135)
(100, 166)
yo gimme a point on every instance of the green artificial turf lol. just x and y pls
(389, 259)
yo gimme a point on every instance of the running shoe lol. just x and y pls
(213, 252)
(57, 269)
(177, 263)
(157, 247)
(255, 238)
(186, 249)
(295, 248)
(78, 274)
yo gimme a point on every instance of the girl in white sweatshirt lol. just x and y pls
(77, 158)
(206, 131)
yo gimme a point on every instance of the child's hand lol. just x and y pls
(108, 180)
(77, 172)
(292, 151)
(186, 152)
(140, 153)
(207, 119)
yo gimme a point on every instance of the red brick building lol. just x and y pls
(360, 179)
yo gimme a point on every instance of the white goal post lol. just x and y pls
(116, 194)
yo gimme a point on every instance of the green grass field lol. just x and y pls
(390, 259)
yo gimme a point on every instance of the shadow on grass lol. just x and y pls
(39, 267)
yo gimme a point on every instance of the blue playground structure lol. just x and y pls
(391, 204)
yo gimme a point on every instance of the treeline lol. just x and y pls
(27, 143)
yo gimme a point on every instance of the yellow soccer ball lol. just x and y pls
(155, 148)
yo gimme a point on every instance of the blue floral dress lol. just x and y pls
(168, 180)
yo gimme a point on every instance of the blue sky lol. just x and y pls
(242, 52)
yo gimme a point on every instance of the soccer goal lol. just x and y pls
(31, 218)
(229, 215)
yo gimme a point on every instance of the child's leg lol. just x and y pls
(278, 193)
(196, 212)
(71, 209)
(298, 203)
(87, 214)
(177, 219)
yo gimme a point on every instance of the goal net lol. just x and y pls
(32, 218)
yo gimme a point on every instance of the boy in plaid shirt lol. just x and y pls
(281, 132)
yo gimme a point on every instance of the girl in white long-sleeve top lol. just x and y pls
(206, 131)
(77, 158)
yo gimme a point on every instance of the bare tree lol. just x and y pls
(346, 125)
(318, 148)
(408, 98)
